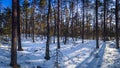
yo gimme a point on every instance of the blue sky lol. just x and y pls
(6, 3)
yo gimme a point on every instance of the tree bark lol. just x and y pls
(54, 25)
(97, 35)
(13, 62)
(26, 30)
(116, 17)
(104, 32)
(72, 24)
(33, 20)
(58, 41)
(47, 57)
(83, 24)
(18, 27)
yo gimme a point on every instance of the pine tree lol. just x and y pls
(33, 13)
(97, 35)
(116, 17)
(104, 32)
(58, 40)
(18, 28)
(13, 62)
(83, 22)
(47, 56)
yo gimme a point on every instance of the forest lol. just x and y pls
(60, 34)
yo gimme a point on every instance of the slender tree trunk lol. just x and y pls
(18, 28)
(83, 24)
(13, 62)
(97, 36)
(29, 29)
(26, 30)
(72, 25)
(33, 20)
(116, 17)
(54, 26)
(58, 40)
(76, 20)
(104, 32)
(47, 57)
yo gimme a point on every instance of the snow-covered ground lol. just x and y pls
(72, 55)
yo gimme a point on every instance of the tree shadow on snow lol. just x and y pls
(95, 58)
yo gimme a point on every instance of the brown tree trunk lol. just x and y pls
(18, 28)
(13, 62)
(72, 24)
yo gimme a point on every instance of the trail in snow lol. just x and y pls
(111, 58)
(94, 59)
(107, 56)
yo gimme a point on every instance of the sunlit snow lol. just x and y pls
(72, 55)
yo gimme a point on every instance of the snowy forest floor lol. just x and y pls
(72, 55)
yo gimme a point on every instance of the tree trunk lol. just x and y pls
(58, 41)
(26, 30)
(116, 17)
(104, 32)
(83, 24)
(47, 57)
(33, 20)
(97, 36)
(13, 62)
(54, 25)
(18, 28)
(72, 25)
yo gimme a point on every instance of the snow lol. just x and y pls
(111, 57)
(72, 55)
